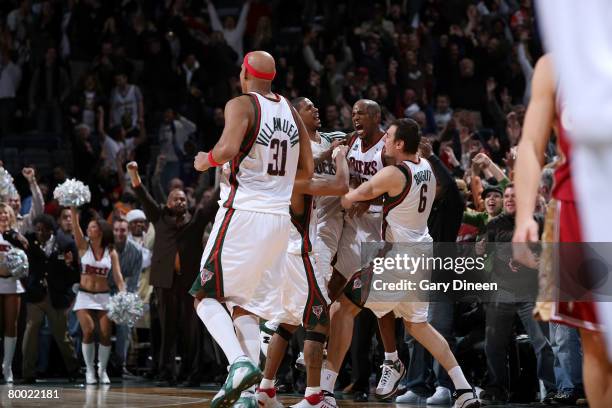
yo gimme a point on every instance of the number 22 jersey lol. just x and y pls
(260, 178)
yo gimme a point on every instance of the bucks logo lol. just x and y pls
(206, 275)
(357, 283)
(317, 310)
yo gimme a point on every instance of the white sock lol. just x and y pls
(328, 380)
(266, 384)
(458, 378)
(9, 351)
(391, 356)
(311, 391)
(220, 327)
(103, 354)
(89, 352)
(247, 331)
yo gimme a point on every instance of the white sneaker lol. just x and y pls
(330, 400)
(392, 374)
(266, 398)
(103, 377)
(90, 377)
(466, 399)
(409, 398)
(442, 396)
(7, 372)
(320, 400)
(300, 363)
(246, 400)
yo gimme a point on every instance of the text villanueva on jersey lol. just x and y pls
(499, 272)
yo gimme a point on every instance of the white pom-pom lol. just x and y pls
(72, 193)
(6, 183)
(16, 262)
(125, 308)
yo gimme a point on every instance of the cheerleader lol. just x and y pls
(10, 287)
(98, 258)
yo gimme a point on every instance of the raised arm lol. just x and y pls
(38, 203)
(116, 269)
(242, 20)
(214, 18)
(79, 238)
(150, 207)
(530, 155)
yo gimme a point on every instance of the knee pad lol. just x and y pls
(315, 336)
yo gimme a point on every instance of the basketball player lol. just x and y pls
(578, 35)
(263, 149)
(303, 291)
(409, 189)
(362, 223)
(546, 111)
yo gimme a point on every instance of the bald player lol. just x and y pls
(264, 147)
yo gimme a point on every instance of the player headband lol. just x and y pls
(269, 76)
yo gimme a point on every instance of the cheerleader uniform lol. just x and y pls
(8, 284)
(92, 266)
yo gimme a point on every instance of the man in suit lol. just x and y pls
(175, 264)
(54, 268)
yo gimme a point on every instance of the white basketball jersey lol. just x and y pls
(91, 266)
(364, 164)
(326, 170)
(260, 178)
(405, 215)
(303, 231)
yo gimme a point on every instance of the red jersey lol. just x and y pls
(562, 188)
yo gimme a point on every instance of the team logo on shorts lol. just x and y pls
(357, 284)
(206, 275)
(317, 310)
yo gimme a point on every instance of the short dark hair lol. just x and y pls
(297, 102)
(409, 132)
(509, 185)
(45, 220)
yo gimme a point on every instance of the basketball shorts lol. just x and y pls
(243, 245)
(357, 230)
(363, 290)
(302, 293)
(329, 231)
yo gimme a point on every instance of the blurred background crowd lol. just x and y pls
(88, 85)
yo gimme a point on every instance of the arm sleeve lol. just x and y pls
(214, 18)
(38, 206)
(151, 209)
(242, 20)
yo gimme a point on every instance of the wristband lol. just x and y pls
(212, 161)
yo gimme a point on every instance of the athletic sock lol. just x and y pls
(328, 380)
(89, 351)
(103, 355)
(247, 331)
(9, 351)
(266, 384)
(311, 391)
(459, 381)
(391, 356)
(220, 326)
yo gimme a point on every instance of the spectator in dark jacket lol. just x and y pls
(54, 269)
(174, 266)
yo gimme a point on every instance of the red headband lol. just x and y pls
(269, 76)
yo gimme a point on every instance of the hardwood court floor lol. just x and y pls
(135, 394)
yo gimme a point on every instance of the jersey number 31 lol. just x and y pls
(276, 167)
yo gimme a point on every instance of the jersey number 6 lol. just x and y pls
(279, 159)
(422, 199)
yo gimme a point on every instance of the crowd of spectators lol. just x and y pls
(112, 81)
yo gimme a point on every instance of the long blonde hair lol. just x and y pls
(11, 213)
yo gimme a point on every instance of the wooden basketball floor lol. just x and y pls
(128, 395)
